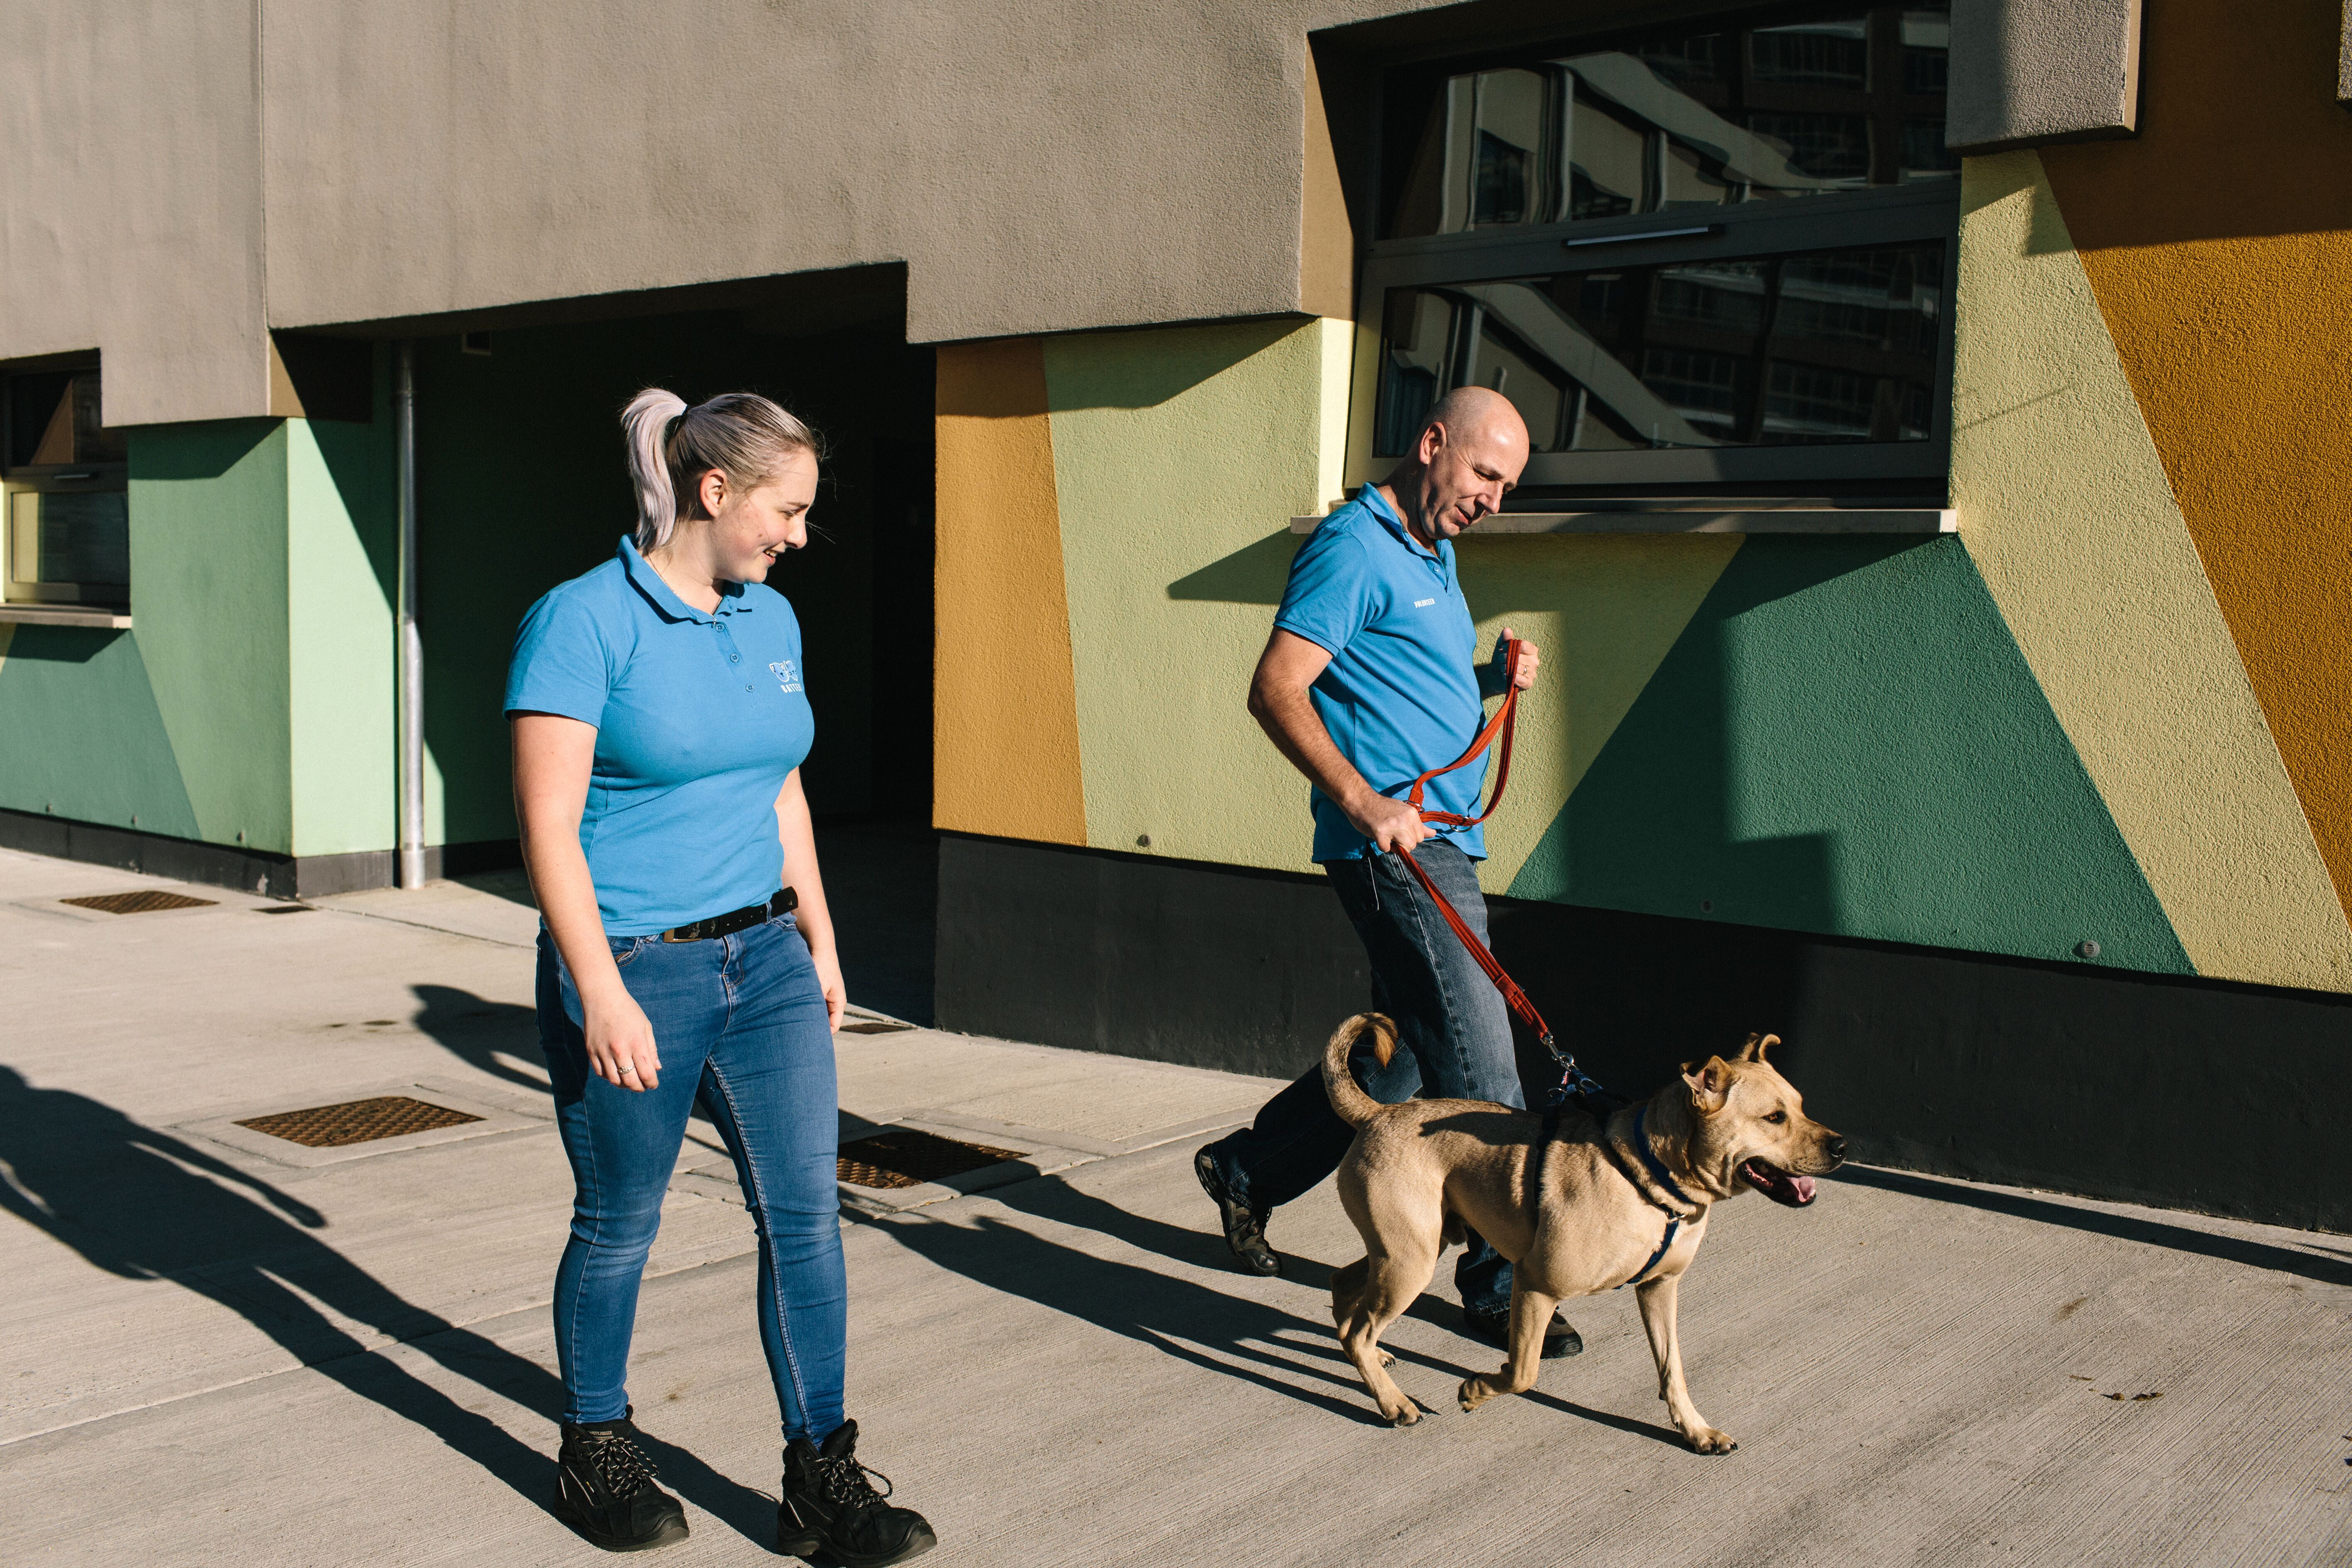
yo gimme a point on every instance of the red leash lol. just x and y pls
(1502, 724)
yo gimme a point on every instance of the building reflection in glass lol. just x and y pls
(1677, 118)
(1832, 346)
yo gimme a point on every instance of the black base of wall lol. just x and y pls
(252, 871)
(2143, 1088)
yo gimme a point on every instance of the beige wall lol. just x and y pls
(130, 209)
(1040, 167)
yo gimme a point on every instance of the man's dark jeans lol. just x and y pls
(1454, 1028)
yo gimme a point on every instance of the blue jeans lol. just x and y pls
(740, 1025)
(1450, 1018)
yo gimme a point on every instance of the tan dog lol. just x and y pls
(1620, 1203)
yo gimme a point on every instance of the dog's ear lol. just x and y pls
(1753, 1051)
(1709, 1084)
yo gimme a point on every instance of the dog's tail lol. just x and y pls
(1354, 1106)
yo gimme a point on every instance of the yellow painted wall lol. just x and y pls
(1005, 722)
(2218, 245)
(2064, 505)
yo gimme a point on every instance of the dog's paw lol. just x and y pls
(1387, 1360)
(1707, 1440)
(1470, 1395)
(1404, 1414)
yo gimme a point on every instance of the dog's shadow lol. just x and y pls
(1206, 1327)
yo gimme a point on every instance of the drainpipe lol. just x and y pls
(409, 700)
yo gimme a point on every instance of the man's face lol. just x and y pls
(1466, 473)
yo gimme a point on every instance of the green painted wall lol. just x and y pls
(342, 560)
(80, 734)
(1845, 740)
(250, 701)
(208, 583)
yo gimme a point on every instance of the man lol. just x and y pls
(1371, 679)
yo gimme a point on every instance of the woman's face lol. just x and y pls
(749, 529)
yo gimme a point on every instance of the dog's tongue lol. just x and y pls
(1804, 1187)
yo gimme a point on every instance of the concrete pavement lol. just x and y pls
(223, 1352)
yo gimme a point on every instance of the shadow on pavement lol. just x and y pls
(2124, 1227)
(500, 1039)
(143, 1205)
(1193, 1322)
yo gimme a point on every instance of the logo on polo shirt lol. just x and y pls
(786, 675)
(1423, 604)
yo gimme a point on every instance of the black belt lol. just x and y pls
(744, 918)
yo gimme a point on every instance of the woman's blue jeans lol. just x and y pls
(1453, 1024)
(741, 1028)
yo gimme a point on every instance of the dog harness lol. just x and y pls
(1658, 1173)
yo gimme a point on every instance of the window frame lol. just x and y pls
(1923, 210)
(17, 595)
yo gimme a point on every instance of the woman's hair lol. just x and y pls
(741, 434)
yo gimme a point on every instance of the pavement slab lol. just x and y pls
(222, 1351)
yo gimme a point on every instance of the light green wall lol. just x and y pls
(1179, 458)
(80, 736)
(208, 570)
(250, 702)
(338, 618)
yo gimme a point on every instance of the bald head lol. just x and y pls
(1468, 457)
(1469, 413)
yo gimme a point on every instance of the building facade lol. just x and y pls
(1937, 526)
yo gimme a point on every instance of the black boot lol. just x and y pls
(1560, 1338)
(829, 1506)
(1244, 1228)
(605, 1486)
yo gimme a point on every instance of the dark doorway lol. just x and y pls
(522, 485)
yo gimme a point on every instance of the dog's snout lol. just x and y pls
(1835, 1147)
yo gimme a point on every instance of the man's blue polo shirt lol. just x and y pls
(1400, 694)
(699, 717)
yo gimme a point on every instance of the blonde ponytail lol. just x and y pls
(740, 434)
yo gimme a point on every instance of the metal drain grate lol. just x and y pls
(360, 1121)
(145, 902)
(903, 1157)
(874, 1027)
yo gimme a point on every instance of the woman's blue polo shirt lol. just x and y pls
(699, 718)
(1400, 694)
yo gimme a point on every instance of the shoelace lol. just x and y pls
(621, 1465)
(844, 1482)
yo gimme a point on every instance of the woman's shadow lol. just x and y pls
(143, 1205)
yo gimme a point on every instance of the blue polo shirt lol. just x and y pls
(698, 719)
(1400, 694)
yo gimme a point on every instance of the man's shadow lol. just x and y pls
(143, 1205)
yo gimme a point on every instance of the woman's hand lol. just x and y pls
(828, 975)
(620, 1041)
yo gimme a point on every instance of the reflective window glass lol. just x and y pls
(77, 541)
(1677, 117)
(1832, 346)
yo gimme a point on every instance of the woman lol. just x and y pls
(685, 956)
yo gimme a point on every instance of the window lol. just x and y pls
(67, 522)
(1715, 252)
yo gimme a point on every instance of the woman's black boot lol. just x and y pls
(605, 1486)
(829, 1506)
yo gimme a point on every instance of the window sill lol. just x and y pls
(1700, 518)
(65, 615)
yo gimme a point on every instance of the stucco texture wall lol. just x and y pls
(2030, 738)
(250, 703)
(2219, 249)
